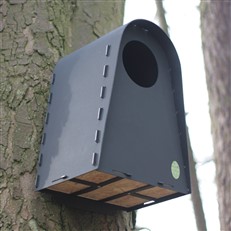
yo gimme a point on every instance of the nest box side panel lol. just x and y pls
(80, 94)
(142, 138)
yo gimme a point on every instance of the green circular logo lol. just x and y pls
(175, 169)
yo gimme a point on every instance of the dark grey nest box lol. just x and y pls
(115, 127)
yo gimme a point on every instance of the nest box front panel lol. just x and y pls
(142, 139)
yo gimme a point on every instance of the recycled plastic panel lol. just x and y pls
(115, 128)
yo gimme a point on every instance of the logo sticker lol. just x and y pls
(175, 169)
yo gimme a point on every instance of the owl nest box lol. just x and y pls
(114, 133)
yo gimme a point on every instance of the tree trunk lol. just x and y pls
(195, 194)
(34, 35)
(216, 36)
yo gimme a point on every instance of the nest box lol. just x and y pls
(114, 133)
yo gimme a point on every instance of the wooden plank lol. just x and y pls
(112, 189)
(127, 201)
(68, 187)
(96, 177)
(156, 192)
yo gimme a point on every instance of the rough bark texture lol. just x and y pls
(34, 35)
(216, 36)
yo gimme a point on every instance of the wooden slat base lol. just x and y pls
(68, 187)
(156, 192)
(112, 189)
(122, 192)
(127, 201)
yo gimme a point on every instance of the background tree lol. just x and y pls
(216, 37)
(195, 194)
(34, 35)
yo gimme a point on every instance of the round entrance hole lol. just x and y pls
(140, 64)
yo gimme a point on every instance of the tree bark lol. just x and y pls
(216, 36)
(34, 35)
